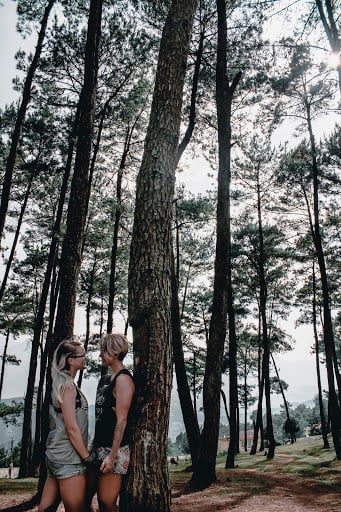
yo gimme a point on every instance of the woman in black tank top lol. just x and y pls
(113, 423)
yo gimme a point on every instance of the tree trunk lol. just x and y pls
(265, 338)
(222, 295)
(188, 411)
(90, 291)
(195, 82)
(286, 407)
(317, 362)
(3, 363)
(39, 321)
(7, 182)
(71, 256)
(118, 213)
(328, 335)
(331, 29)
(37, 455)
(16, 237)
(150, 292)
(259, 416)
(245, 406)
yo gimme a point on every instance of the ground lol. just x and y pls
(301, 478)
(277, 492)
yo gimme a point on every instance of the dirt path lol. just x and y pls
(250, 491)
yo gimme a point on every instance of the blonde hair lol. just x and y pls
(60, 370)
(114, 344)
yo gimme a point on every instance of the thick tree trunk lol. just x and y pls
(7, 182)
(71, 256)
(150, 292)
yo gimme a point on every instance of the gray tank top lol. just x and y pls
(58, 445)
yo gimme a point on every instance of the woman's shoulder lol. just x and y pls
(122, 373)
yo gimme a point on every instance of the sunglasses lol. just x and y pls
(76, 357)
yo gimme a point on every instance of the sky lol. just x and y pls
(297, 367)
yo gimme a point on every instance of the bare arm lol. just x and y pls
(124, 392)
(71, 425)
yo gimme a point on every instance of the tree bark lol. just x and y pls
(7, 182)
(148, 486)
(222, 295)
(71, 256)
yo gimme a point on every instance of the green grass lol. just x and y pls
(305, 459)
(17, 485)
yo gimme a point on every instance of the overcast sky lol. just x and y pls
(297, 368)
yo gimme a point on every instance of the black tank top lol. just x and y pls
(105, 413)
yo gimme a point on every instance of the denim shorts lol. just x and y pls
(121, 462)
(61, 471)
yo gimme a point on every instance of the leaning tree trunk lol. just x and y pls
(71, 256)
(148, 486)
(7, 181)
(285, 402)
(16, 238)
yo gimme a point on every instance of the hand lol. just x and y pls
(90, 460)
(107, 465)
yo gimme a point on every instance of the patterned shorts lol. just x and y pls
(121, 462)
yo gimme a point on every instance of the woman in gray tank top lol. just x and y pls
(66, 447)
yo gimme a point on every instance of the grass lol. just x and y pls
(305, 459)
(22, 485)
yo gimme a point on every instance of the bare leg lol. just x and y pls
(72, 491)
(50, 495)
(91, 487)
(107, 492)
